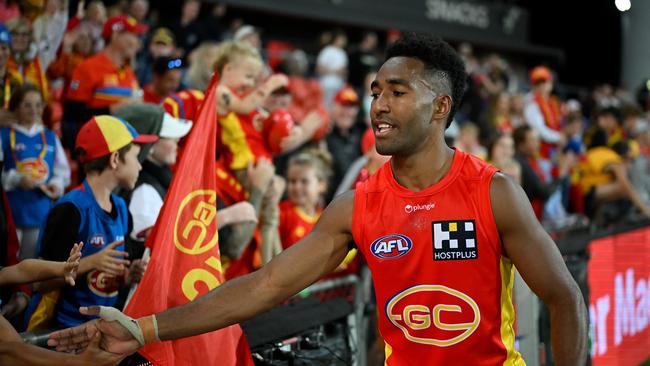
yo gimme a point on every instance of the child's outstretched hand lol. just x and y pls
(72, 264)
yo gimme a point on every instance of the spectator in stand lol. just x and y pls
(241, 244)
(162, 44)
(36, 169)
(501, 154)
(146, 200)
(187, 29)
(496, 119)
(94, 18)
(604, 176)
(494, 78)
(250, 35)
(77, 46)
(201, 68)
(517, 107)
(366, 100)
(609, 121)
(632, 116)
(365, 166)
(536, 179)
(640, 169)
(307, 178)
(167, 75)
(139, 9)
(92, 214)
(344, 140)
(214, 25)
(238, 98)
(49, 29)
(105, 81)
(10, 79)
(305, 92)
(25, 59)
(364, 57)
(9, 9)
(468, 140)
(332, 66)
(542, 111)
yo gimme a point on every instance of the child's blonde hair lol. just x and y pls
(317, 159)
(230, 50)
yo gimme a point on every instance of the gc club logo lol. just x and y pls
(434, 315)
(195, 229)
(36, 169)
(102, 284)
(391, 246)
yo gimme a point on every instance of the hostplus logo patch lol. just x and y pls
(454, 240)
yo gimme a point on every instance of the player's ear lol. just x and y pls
(441, 107)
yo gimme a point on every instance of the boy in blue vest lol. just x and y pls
(108, 149)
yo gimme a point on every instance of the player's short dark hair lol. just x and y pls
(446, 67)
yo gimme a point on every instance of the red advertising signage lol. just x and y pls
(619, 309)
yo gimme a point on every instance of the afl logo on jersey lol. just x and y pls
(391, 246)
(434, 315)
(97, 240)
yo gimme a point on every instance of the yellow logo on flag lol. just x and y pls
(195, 229)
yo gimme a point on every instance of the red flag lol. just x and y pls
(185, 261)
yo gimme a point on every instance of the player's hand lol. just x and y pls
(71, 266)
(116, 338)
(108, 260)
(94, 355)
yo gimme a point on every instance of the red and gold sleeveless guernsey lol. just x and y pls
(441, 277)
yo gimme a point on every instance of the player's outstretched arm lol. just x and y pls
(317, 254)
(540, 264)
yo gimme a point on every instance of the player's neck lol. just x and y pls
(424, 168)
(102, 185)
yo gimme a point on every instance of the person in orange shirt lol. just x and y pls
(77, 46)
(307, 177)
(104, 82)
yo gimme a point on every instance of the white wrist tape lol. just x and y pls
(112, 314)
